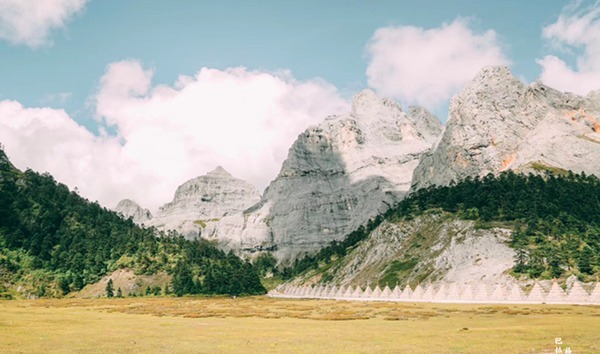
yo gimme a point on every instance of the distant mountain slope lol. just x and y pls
(53, 242)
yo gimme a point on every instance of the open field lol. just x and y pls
(261, 324)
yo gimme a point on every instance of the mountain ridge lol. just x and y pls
(497, 123)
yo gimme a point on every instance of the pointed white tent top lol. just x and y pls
(440, 294)
(407, 293)
(357, 292)
(376, 292)
(594, 297)
(556, 294)
(498, 294)
(515, 294)
(536, 294)
(417, 294)
(396, 293)
(577, 294)
(428, 291)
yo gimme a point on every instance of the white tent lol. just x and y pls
(577, 294)
(376, 292)
(386, 293)
(440, 294)
(407, 293)
(556, 295)
(595, 295)
(515, 294)
(498, 294)
(428, 292)
(417, 294)
(396, 293)
(357, 294)
(536, 294)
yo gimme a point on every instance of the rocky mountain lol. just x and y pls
(203, 201)
(54, 242)
(433, 247)
(498, 123)
(130, 209)
(485, 231)
(337, 176)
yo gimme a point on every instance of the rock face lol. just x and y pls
(336, 177)
(431, 248)
(203, 201)
(498, 123)
(130, 209)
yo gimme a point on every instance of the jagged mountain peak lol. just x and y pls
(489, 76)
(367, 104)
(427, 124)
(337, 175)
(219, 172)
(497, 123)
(126, 203)
(130, 209)
(203, 200)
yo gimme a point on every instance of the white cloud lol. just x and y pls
(243, 120)
(428, 66)
(30, 22)
(48, 140)
(575, 32)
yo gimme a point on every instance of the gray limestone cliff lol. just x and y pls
(431, 248)
(204, 201)
(130, 209)
(336, 177)
(498, 123)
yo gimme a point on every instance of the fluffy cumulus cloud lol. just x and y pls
(576, 32)
(48, 140)
(242, 120)
(30, 22)
(427, 66)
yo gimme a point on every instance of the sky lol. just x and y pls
(131, 98)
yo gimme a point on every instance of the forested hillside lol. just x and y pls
(53, 242)
(555, 220)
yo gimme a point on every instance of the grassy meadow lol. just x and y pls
(262, 324)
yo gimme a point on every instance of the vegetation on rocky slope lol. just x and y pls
(53, 242)
(555, 221)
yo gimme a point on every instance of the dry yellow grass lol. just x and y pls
(260, 324)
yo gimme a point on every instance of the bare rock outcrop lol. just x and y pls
(130, 209)
(498, 123)
(337, 176)
(203, 201)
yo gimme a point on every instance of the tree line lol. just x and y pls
(57, 242)
(555, 220)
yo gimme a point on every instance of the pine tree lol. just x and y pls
(110, 290)
(119, 293)
(585, 260)
(183, 281)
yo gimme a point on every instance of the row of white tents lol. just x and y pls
(578, 293)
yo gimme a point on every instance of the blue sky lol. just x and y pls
(111, 65)
(310, 38)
